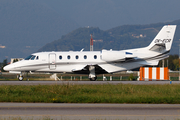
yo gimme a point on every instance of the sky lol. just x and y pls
(107, 14)
(28, 25)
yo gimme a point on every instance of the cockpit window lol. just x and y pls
(31, 57)
(37, 57)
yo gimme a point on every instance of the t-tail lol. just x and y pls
(163, 40)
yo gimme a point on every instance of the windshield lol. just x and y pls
(31, 57)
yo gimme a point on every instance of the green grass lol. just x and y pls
(121, 93)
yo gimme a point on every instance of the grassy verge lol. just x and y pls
(121, 93)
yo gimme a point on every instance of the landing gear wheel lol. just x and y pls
(93, 79)
(20, 78)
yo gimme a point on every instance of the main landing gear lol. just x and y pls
(93, 78)
(92, 75)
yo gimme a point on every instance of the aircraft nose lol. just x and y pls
(7, 68)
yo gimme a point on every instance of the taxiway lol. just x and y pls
(84, 82)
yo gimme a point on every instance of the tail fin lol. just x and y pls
(163, 39)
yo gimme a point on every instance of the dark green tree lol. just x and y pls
(3, 64)
(172, 62)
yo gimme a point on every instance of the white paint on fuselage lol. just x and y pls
(107, 61)
(68, 65)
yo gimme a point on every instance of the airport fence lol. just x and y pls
(121, 76)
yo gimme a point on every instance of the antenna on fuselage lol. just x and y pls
(91, 43)
(82, 50)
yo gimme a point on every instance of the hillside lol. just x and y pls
(119, 38)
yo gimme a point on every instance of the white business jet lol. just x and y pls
(98, 62)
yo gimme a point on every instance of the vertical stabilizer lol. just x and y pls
(164, 38)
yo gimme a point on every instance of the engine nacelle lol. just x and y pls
(113, 55)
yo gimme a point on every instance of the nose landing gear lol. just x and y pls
(20, 77)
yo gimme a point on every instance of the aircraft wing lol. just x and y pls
(85, 70)
(103, 68)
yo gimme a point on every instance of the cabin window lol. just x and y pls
(68, 57)
(60, 57)
(85, 57)
(77, 57)
(95, 56)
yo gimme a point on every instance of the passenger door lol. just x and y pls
(52, 61)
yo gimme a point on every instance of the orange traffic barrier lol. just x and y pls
(153, 73)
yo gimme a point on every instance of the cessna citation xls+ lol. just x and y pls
(98, 62)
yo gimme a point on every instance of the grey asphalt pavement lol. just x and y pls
(89, 111)
(83, 82)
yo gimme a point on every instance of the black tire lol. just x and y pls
(93, 79)
(20, 78)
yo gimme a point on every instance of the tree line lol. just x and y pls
(2, 64)
(172, 62)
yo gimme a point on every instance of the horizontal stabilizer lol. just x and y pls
(158, 47)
